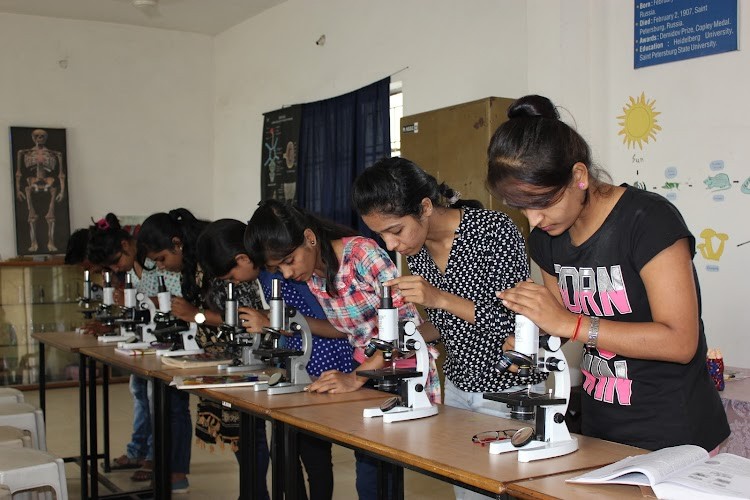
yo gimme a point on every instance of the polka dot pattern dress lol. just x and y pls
(327, 353)
(488, 255)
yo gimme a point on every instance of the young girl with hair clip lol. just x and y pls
(344, 272)
(618, 277)
(169, 240)
(458, 254)
(112, 247)
(222, 254)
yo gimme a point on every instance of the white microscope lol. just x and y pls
(172, 330)
(137, 318)
(402, 340)
(551, 437)
(106, 312)
(285, 320)
(244, 345)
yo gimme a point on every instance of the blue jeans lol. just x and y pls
(367, 478)
(181, 427)
(141, 443)
(474, 401)
(262, 458)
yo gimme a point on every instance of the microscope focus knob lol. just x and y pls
(413, 345)
(559, 418)
(555, 364)
(409, 329)
(550, 342)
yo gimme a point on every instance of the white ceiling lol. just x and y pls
(198, 16)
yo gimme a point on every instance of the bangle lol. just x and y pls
(578, 327)
(593, 332)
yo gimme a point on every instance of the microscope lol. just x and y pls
(86, 301)
(533, 353)
(399, 340)
(244, 345)
(136, 318)
(106, 313)
(284, 321)
(169, 329)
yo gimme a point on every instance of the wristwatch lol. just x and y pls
(593, 332)
(200, 316)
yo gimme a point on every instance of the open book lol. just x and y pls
(679, 472)
(217, 381)
(202, 360)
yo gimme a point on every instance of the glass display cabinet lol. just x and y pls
(37, 296)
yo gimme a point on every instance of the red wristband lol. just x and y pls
(578, 327)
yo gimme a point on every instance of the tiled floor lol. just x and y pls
(214, 475)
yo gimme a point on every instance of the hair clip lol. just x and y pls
(102, 224)
(456, 196)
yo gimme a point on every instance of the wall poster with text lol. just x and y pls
(278, 173)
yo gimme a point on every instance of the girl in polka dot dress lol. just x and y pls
(222, 254)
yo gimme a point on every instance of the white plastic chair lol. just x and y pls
(14, 437)
(10, 395)
(28, 469)
(27, 417)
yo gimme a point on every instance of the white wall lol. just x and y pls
(586, 65)
(137, 106)
(455, 52)
(578, 52)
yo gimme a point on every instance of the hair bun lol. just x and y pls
(533, 106)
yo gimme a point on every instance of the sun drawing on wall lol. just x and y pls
(639, 123)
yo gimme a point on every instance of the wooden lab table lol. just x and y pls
(259, 404)
(75, 342)
(146, 366)
(439, 446)
(555, 488)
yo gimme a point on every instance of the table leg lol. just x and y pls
(291, 461)
(94, 447)
(83, 428)
(105, 408)
(162, 483)
(248, 457)
(277, 461)
(42, 382)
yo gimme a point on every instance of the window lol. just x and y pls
(396, 112)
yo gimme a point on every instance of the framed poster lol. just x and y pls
(40, 189)
(278, 173)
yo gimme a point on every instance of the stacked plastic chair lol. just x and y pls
(25, 465)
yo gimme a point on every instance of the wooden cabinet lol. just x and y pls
(451, 143)
(36, 297)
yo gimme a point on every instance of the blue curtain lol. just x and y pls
(339, 138)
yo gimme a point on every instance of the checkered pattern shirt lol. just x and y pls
(363, 267)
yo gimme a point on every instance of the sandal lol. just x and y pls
(125, 462)
(145, 473)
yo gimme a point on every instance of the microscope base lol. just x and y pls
(134, 345)
(400, 413)
(179, 352)
(286, 388)
(536, 450)
(107, 339)
(241, 368)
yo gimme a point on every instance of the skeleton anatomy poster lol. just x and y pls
(40, 189)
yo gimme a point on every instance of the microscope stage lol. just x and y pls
(389, 374)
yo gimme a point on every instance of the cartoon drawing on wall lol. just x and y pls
(745, 187)
(718, 182)
(743, 243)
(639, 185)
(710, 238)
(671, 185)
(639, 123)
